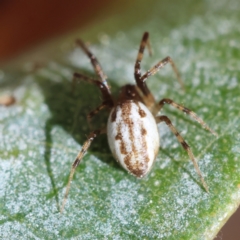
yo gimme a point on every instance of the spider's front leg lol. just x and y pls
(140, 79)
(186, 147)
(160, 65)
(137, 69)
(78, 159)
(106, 95)
(96, 65)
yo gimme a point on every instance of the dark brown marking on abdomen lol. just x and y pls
(119, 137)
(137, 168)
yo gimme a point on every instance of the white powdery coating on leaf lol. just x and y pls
(123, 201)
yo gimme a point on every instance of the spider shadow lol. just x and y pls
(69, 111)
(180, 164)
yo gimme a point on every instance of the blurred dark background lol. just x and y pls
(24, 24)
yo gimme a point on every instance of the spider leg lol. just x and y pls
(96, 111)
(106, 95)
(186, 147)
(96, 65)
(160, 65)
(187, 111)
(78, 159)
(137, 72)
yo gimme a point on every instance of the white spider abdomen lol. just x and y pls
(133, 137)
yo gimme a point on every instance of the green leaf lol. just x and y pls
(42, 133)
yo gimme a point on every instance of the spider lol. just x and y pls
(131, 129)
